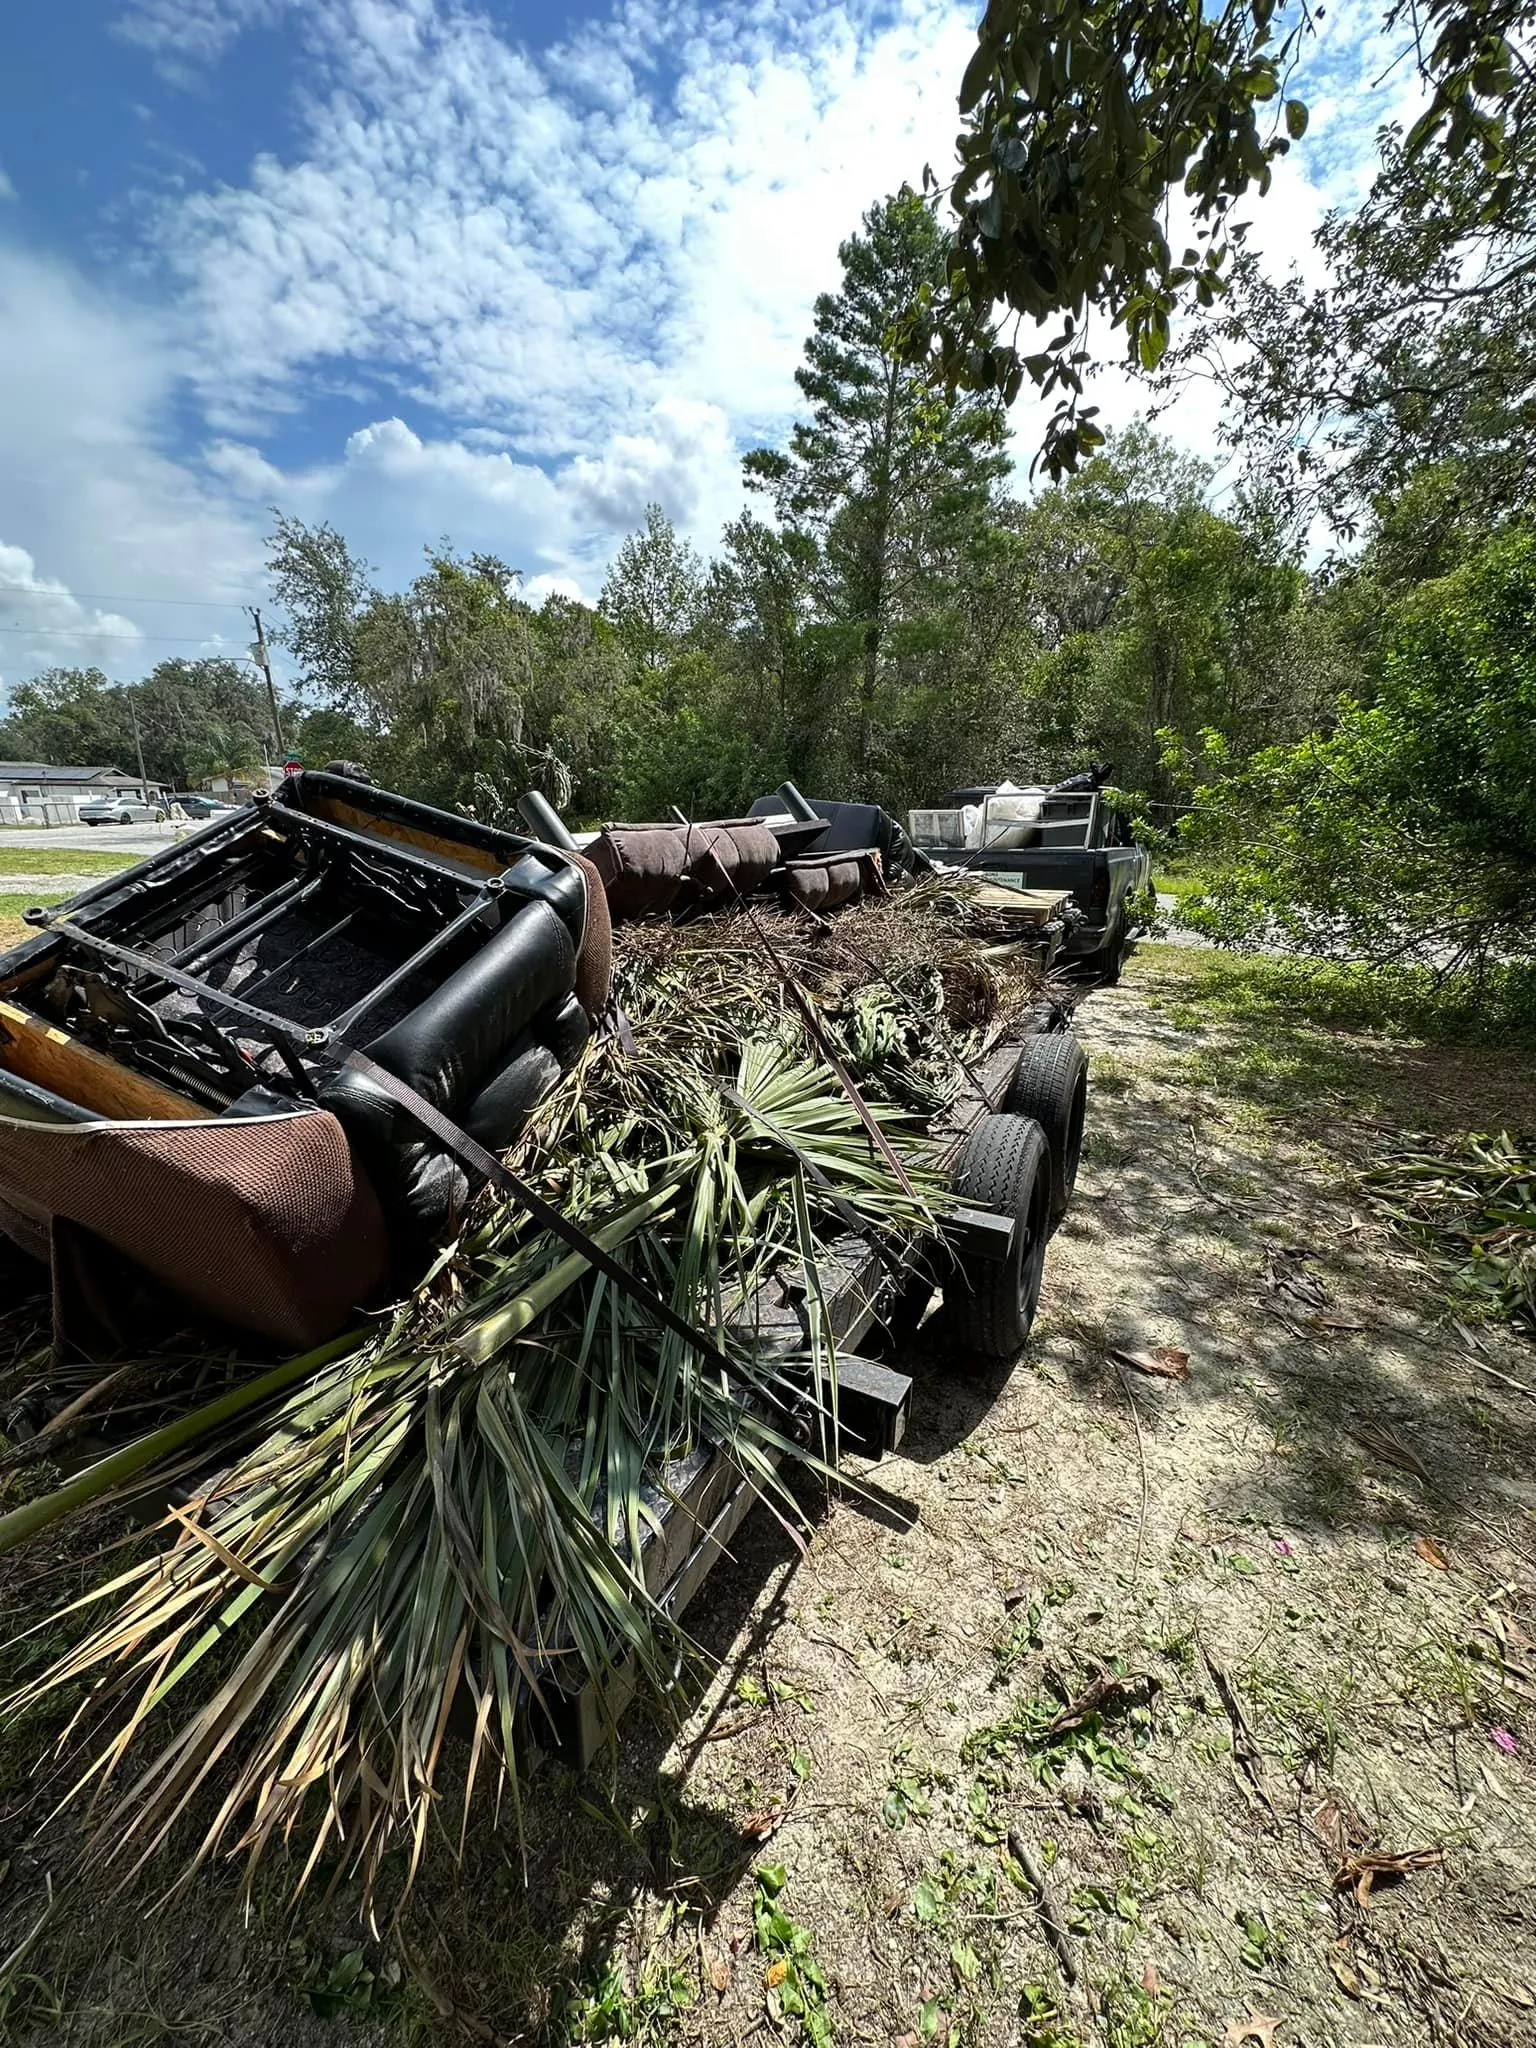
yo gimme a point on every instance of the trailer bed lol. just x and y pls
(702, 1499)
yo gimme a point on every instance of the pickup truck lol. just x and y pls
(1066, 837)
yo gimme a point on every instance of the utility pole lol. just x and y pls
(138, 745)
(259, 654)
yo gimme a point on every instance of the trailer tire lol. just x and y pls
(1004, 1165)
(1050, 1083)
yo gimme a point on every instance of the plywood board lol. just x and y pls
(474, 859)
(1030, 906)
(43, 1054)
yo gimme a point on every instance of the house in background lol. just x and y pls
(36, 793)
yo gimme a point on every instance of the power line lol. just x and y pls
(89, 633)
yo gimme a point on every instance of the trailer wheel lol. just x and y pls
(1050, 1084)
(1004, 1165)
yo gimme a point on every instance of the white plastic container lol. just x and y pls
(1012, 818)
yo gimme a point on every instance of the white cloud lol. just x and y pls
(244, 471)
(555, 285)
(578, 250)
(537, 588)
(677, 462)
(86, 491)
(185, 35)
(45, 624)
(552, 246)
(394, 493)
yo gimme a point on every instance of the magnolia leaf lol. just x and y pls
(978, 75)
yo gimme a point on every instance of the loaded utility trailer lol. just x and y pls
(184, 1105)
(1012, 1138)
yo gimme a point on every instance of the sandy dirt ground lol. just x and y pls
(1118, 1710)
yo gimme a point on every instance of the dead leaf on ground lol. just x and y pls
(775, 1974)
(1354, 1977)
(1104, 1689)
(1358, 1873)
(727, 1731)
(1431, 1553)
(1390, 1449)
(1338, 1825)
(720, 1974)
(761, 1825)
(1247, 1758)
(1151, 1983)
(1163, 1362)
(1259, 2026)
(1285, 1274)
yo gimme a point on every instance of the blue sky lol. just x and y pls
(503, 272)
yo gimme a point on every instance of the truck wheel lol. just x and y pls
(1050, 1083)
(1004, 1165)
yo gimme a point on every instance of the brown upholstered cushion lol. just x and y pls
(729, 859)
(823, 881)
(594, 958)
(641, 867)
(647, 869)
(267, 1225)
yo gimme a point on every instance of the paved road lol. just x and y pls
(139, 839)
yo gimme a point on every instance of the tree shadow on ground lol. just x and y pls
(1212, 1243)
(531, 1925)
(1239, 1232)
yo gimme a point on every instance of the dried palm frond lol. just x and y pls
(902, 990)
(1472, 1205)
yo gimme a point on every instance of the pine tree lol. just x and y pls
(892, 478)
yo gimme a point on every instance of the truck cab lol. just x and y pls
(1066, 836)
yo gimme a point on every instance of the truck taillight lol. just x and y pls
(1100, 897)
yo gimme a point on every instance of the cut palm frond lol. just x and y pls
(419, 1537)
(1471, 1204)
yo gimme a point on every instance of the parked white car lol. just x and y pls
(119, 810)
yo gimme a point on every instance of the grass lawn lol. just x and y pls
(71, 864)
(61, 860)
(12, 929)
(1178, 882)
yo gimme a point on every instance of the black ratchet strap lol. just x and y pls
(472, 1154)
